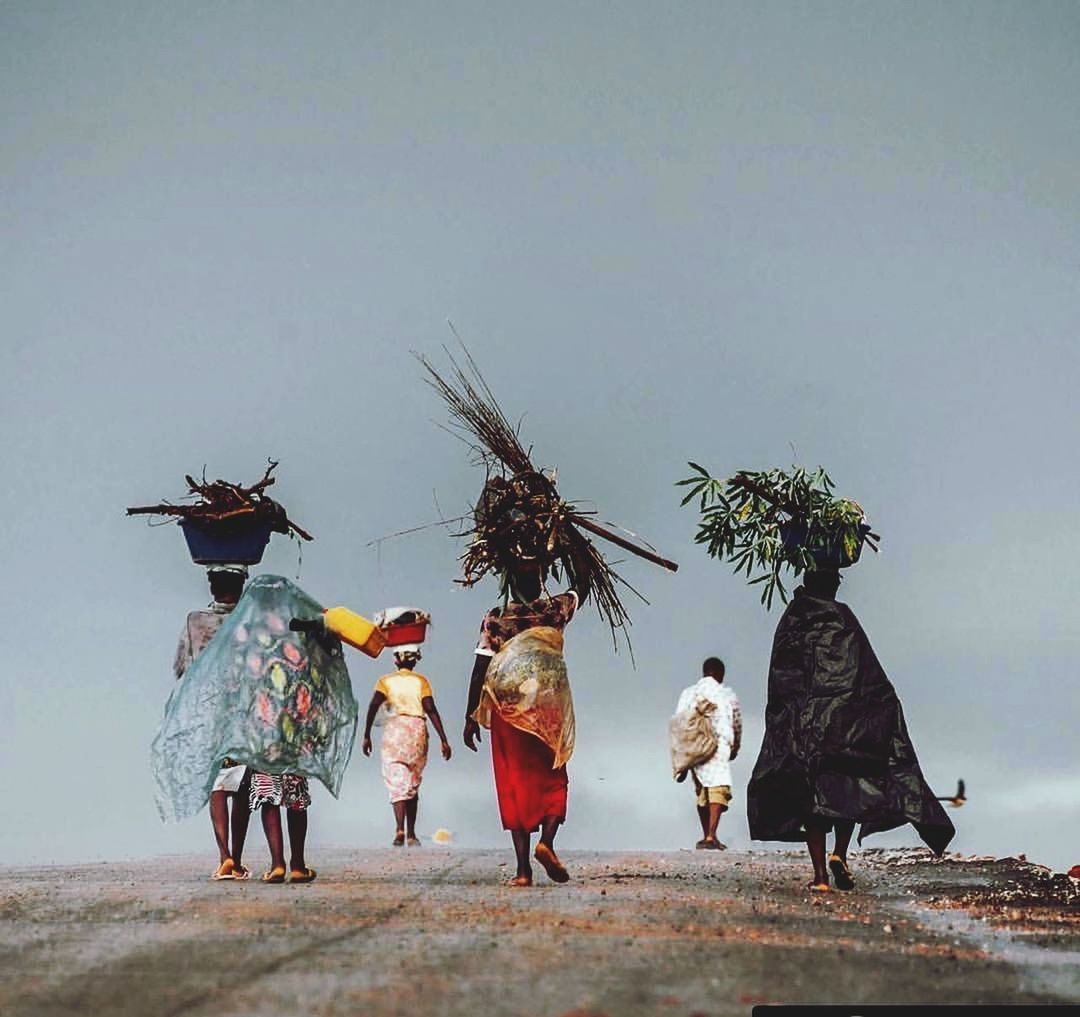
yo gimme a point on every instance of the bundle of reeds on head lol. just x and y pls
(520, 523)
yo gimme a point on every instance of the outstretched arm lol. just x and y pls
(476, 686)
(428, 703)
(373, 707)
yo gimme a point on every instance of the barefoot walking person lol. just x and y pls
(712, 779)
(404, 749)
(226, 585)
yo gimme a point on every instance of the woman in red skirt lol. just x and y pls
(530, 739)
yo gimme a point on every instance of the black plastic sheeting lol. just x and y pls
(836, 745)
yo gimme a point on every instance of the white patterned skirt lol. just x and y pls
(404, 754)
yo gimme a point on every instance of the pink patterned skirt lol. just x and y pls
(404, 755)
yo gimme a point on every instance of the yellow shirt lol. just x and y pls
(405, 692)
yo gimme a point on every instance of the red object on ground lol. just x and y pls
(400, 635)
(529, 790)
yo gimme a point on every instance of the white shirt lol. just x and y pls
(726, 722)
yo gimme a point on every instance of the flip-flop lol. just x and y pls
(841, 873)
(228, 873)
(519, 881)
(274, 876)
(818, 887)
(241, 872)
(552, 866)
(413, 841)
(714, 845)
(307, 876)
(399, 840)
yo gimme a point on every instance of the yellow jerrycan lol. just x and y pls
(354, 629)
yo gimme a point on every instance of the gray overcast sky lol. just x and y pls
(710, 231)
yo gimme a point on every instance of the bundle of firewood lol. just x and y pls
(220, 503)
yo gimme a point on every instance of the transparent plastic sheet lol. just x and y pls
(276, 700)
(527, 684)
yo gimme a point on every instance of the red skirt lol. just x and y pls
(529, 790)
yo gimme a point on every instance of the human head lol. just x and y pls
(226, 582)
(713, 668)
(526, 582)
(822, 583)
(406, 660)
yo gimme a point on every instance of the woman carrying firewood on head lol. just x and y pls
(527, 535)
(532, 736)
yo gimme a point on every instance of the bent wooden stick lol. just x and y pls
(588, 524)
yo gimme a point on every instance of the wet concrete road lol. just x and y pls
(434, 931)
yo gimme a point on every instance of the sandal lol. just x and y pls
(841, 873)
(224, 871)
(274, 875)
(552, 866)
(399, 839)
(241, 872)
(305, 875)
(413, 841)
(519, 881)
(818, 887)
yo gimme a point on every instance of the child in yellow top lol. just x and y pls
(404, 748)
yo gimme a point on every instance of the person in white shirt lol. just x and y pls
(712, 779)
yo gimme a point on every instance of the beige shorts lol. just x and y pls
(719, 795)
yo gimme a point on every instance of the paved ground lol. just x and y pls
(433, 931)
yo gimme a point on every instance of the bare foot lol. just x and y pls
(550, 861)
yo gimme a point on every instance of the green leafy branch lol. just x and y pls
(765, 522)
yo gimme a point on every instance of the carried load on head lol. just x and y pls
(403, 629)
(771, 520)
(228, 523)
(520, 522)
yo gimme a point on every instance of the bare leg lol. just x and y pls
(297, 820)
(844, 829)
(522, 842)
(411, 807)
(815, 844)
(548, 829)
(271, 823)
(241, 814)
(838, 859)
(703, 817)
(399, 819)
(219, 820)
(715, 811)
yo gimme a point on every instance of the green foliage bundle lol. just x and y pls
(765, 522)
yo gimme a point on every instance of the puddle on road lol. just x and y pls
(1055, 971)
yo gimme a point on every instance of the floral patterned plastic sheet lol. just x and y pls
(527, 684)
(259, 694)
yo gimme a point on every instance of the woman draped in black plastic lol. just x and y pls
(836, 749)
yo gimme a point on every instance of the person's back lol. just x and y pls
(712, 778)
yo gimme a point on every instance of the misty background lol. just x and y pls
(747, 235)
